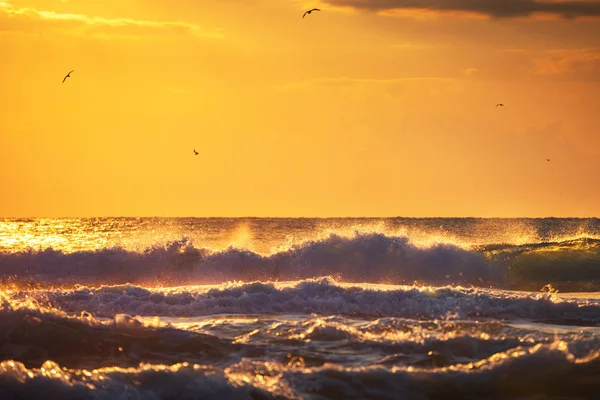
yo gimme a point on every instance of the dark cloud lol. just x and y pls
(492, 8)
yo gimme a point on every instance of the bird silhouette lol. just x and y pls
(547, 159)
(499, 105)
(67, 76)
(195, 152)
(309, 11)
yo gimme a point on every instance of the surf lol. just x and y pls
(567, 265)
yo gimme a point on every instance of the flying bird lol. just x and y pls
(547, 159)
(67, 76)
(195, 152)
(499, 105)
(309, 11)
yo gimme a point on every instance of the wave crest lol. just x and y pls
(371, 258)
(544, 371)
(322, 296)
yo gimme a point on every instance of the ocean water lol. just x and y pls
(396, 308)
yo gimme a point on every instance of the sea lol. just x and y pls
(300, 308)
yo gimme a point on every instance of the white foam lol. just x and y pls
(321, 296)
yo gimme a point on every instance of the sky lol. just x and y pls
(367, 108)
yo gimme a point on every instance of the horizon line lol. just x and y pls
(301, 217)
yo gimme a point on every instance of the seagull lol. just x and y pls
(195, 152)
(67, 76)
(309, 11)
(499, 105)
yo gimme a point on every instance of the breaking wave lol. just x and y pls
(316, 296)
(374, 258)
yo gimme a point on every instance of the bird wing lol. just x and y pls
(309, 11)
(67, 76)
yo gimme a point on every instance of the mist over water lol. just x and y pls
(154, 308)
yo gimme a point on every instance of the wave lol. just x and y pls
(372, 258)
(545, 371)
(152, 382)
(33, 334)
(515, 373)
(322, 296)
(53, 349)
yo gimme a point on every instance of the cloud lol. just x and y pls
(32, 20)
(488, 8)
(558, 62)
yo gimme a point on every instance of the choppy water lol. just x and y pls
(300, 308)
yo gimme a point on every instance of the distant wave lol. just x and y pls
(322, 296)
(374, 258)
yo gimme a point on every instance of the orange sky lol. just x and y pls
(348, 112)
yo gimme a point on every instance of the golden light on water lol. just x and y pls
(70, 235)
